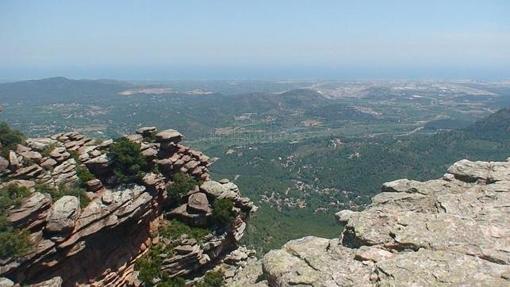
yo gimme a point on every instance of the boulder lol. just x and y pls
(13, 160)
(63, 215)
(4, 164)
(94, 185)
(149, 152)
(146, 131)
(136, 138)
(39, 144)
(98, 165)
(217, 190)
(48, 163)
(198, 203)
(5, 282)
(60, 154)
(31, 156)
(107, 197)
(169, 135)
(21, 148)
(105, 144)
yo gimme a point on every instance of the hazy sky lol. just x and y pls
(238, 39)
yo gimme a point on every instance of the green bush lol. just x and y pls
(223, 212)
(212, 279)
(127, 161)
(149, 267)
(13, 242)
(9, 138)
(12, 195)
(172, 282)
(181, 184)
(174, 229)
(84, 175)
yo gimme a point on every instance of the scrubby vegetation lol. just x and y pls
(83, 174)
(12, 195)
(149, 267)
(57, 193)
(174, 229)
(223, 212)
(9, 138)
(181, 184)
(212, 279)
(48, 149)
(13, 242)
(127, 161)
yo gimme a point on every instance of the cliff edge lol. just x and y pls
(453, 231)
(140, 210)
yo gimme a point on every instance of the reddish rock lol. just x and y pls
(94, 185)
(169, 135)
(198, 203)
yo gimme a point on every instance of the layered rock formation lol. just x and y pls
(453, 231)
(98, 244)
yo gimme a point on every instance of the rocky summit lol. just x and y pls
(88, 225)
(452, 231)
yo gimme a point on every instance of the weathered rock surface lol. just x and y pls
(4, 164)
(63, 215)
(198, 202)
(453, 231)
(169, 136)
(98, 244)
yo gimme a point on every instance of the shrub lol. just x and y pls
(212, 279)
(174, 229)
(127, 161)
(149, 267)
(172, 282)
(223, 212)
(12, 195)
(182, 183)
(84, 174)
(48, 149)
(75, 155)
(9, 138)
(14, 243)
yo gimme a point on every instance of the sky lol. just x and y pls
(257, 39)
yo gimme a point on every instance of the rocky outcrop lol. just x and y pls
(96, 238)
(452, 231)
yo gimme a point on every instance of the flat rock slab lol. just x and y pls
(168, 136)
(453, 231)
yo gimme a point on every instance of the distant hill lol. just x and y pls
(58, 89)
(302, 98)
(495, 126)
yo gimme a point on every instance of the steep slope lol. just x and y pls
(452, 231)
(89, 213)
(495, 126)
